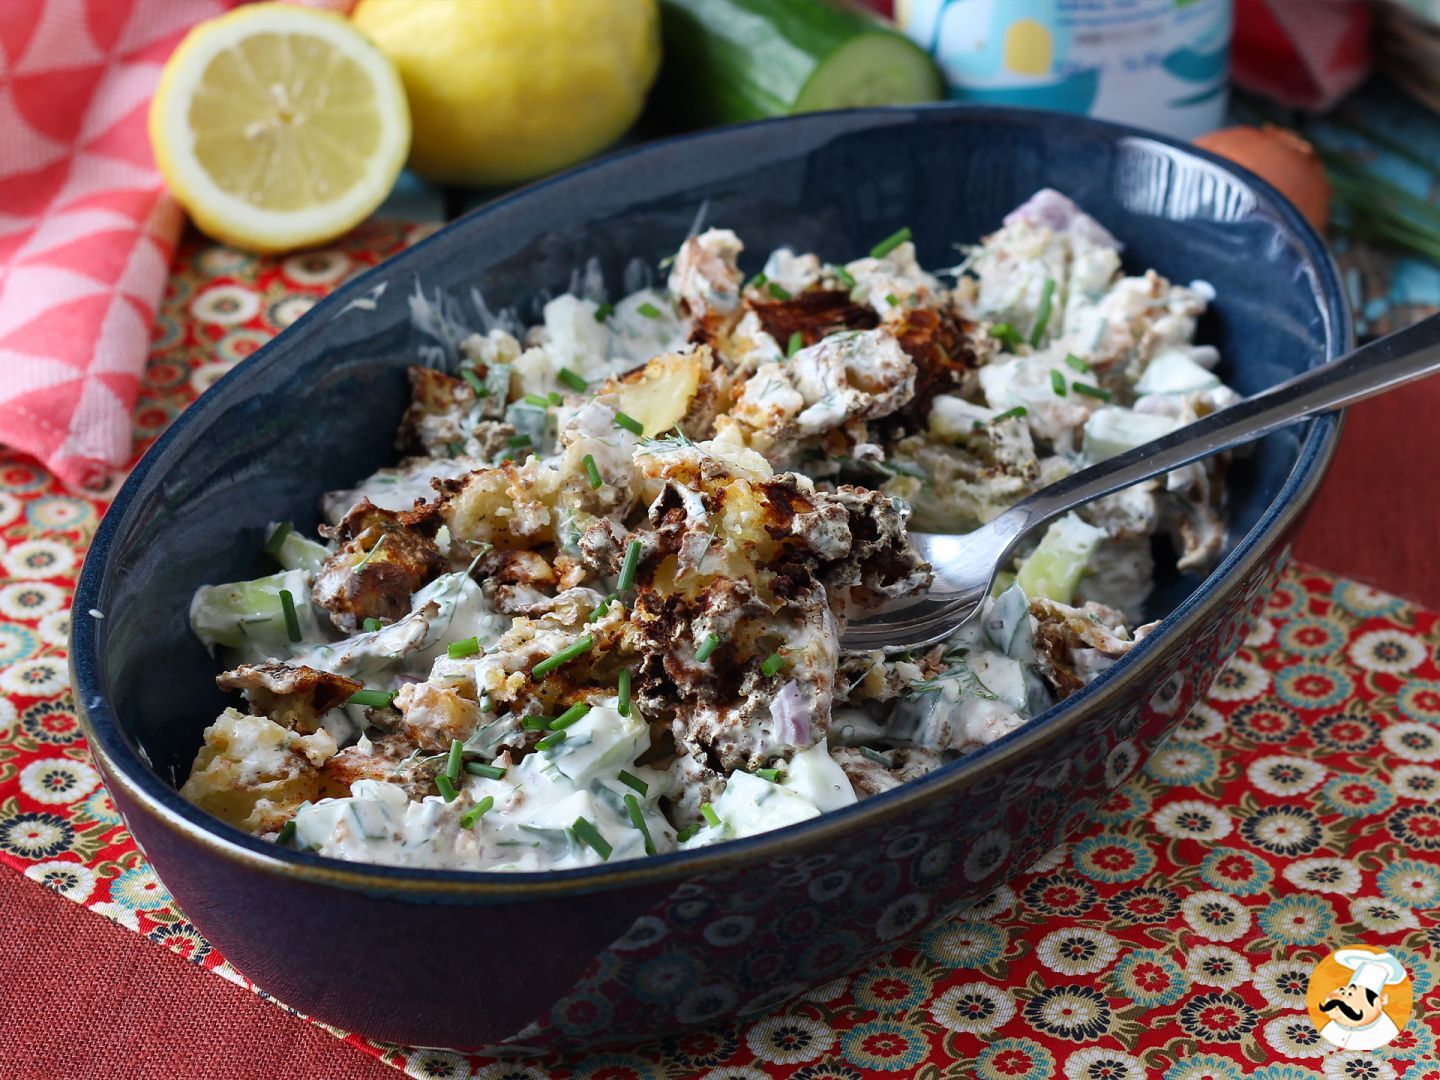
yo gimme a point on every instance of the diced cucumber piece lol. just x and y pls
(814, 775)
(248, 613)
(955, 418)
(731, 60)
(1007, 624)
(600, 742)
(1113, 430)
(298, 552)
(1054, 568)
(750, 805)
(1173, 372)
(998, 676)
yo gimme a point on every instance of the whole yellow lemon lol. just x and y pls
(505, 90)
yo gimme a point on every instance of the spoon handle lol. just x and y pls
(1383, 364)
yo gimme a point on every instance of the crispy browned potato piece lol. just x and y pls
(947, 352)
(384, 557)
(293, 695)
(393, 758)
(254, 774)
(814, 314)
(433, 395)
(1072, 642)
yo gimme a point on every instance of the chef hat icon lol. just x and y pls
(1373, 971)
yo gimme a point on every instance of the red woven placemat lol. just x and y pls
(1294, 812)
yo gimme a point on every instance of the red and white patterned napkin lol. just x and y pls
(86, 229)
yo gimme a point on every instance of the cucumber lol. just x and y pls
(1112, 430)
(1054, 568)
(734, 60)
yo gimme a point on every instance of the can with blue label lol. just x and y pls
(1159, 64)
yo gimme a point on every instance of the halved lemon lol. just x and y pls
(279, 127)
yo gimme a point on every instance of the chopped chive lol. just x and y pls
(632, 807)
(795, 344)
(708, 813)
(591, 836)
(778, 291)
(373, 625)
(667, 262)
(458, 650)
(877, 757)
(489, 772)
(536, 723)
(604, 311)
(772, 665)
(1007, 335)
(629, 779)
(554, 398)
(538, 400)
(374, 699)
(687, 832)
(564, 656)
(1091, 391)
(629, 566)
(1042, 313)
(758, 281)
(649, 310)
(555, 738)
(447, 787)
(892, 299)
(629, 423)
(569, 716)
(773, 775)
(890, 243)
(708, 646)
(518, 440)
(1057, 382)
(843, 276)
(602, 607)
(592, 471)
(1077, 364)
(454, 760)
(574, 380)
(276, 540)
(1009, 414)
(476, 812)
(905, 468)
(468, 374)
(287, 833)
(624, 706)
(292, 620)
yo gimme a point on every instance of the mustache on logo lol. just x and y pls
(1336, 1003)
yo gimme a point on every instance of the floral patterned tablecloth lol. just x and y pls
(1295, 811)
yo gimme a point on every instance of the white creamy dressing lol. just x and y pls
(531, 825)
(645, 324)
(398, 488)
(811, 785)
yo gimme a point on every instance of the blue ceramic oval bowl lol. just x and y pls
(638, 949)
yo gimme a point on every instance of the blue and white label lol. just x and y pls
(1160, 64)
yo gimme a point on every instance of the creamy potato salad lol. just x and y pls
(594, 612)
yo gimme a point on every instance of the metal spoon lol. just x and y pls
(965, 566)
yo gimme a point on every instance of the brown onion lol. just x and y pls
(1284, 159)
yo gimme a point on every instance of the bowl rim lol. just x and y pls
(126, 770)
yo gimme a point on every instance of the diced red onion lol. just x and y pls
(792, 720)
